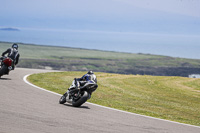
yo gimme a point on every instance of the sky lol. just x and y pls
(173, 19)
(111, 15)
(184, 7)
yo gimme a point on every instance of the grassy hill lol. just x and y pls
(171, 98)
(75, 59)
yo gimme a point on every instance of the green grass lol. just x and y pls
(76, 59)
(172, 98)
(31, 51)
(50, 52)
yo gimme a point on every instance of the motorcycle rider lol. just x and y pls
(13, 54)
(81, 82)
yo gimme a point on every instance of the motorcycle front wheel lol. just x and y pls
(62, 100)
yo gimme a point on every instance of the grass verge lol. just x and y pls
(172, 98)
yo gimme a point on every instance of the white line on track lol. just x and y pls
(25, 80)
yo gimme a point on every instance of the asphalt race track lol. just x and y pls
(26, 109)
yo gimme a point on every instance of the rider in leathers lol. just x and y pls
(89, 77)
(13, 54)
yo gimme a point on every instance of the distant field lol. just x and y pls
(75, 59)
(171, 98)
(50, 52)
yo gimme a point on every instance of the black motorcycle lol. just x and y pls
(76, 96)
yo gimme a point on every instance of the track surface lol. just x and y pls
(25, 109)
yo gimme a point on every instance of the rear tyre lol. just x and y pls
(80, 101)
(3, 70)
(62, 100)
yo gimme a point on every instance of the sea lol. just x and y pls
(174, 45)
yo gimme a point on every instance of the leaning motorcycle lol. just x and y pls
(77, 97)
(5, 65)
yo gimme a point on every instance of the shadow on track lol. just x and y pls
(5, 79)
(83, 107)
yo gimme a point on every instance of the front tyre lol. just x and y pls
(81, 100)
(62, 100)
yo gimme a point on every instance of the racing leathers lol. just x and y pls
(81, 82)
(13, 54)
(87, 78)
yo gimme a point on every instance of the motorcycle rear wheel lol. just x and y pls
(2, 70)
(81, 100)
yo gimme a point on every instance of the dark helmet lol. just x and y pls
(90, 72)
(15, 45)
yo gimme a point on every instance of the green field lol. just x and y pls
(172, 98)
(76, 59)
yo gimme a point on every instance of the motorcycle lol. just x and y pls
(5, 65)
(76, 96)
